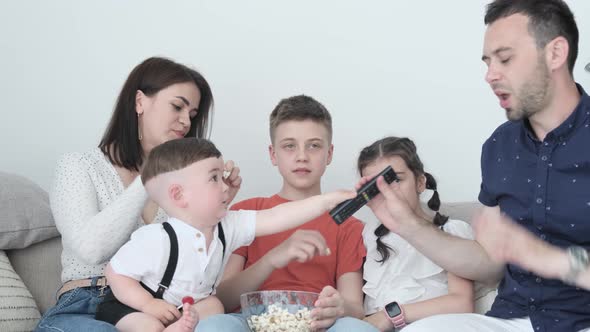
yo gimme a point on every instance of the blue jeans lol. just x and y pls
(236, 322)
(74, 311)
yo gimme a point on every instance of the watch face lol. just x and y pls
(393, 309)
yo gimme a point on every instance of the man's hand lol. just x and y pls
(328, 308)
(162, 310)
(390, 207)
(301, 246)
(507, 242)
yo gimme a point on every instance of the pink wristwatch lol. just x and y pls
(394, 312)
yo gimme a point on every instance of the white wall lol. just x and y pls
(382, 68)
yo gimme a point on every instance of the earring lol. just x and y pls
(139, 135)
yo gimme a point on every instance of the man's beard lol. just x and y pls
(533, 96)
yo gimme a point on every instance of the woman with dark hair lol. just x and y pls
(98, 199)
(402, 285)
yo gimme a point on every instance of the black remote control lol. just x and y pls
(349, 207)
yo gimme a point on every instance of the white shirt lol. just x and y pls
(198, 271)
(407, 276)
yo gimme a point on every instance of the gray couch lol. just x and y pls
(39, 267)
(38, 263)
(28, 240)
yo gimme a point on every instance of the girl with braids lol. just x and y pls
(394, 271)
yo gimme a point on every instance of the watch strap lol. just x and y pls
(578, 262)
(398, 321)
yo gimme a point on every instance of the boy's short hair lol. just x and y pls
(177, 154)
(299, 108)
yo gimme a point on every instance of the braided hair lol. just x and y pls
(404, 148)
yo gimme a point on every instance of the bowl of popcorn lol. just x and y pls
(280, 310)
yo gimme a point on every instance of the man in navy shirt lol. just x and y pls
(534, 231)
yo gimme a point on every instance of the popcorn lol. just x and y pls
(278, 319)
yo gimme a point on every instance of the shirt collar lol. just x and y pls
(565, 129)
(185, 228)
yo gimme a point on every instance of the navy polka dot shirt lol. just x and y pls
(545, 187)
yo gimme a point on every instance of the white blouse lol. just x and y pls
(407, 276)
(94, 212)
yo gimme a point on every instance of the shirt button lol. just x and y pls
(533, 308)
(200, 249)
(544, 158)
(538, 280)
(198, 235)
(539, 200)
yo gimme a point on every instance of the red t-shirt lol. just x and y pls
(345, 242)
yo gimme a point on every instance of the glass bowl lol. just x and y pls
(279, 310)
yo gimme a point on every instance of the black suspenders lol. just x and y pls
(173, 258)
(172, 261)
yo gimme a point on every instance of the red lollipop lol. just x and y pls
(188, 299)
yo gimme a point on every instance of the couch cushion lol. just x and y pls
(460, 210)
(25, 216)
(18, 311)
(484, 294)
(40, 268)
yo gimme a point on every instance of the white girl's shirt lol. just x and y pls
(198, 271)
(407, 276)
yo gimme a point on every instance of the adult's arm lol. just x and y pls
(463, 257)
(508, 242)
(93, 235)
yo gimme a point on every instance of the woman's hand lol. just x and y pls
(233, 180)
(328, 308)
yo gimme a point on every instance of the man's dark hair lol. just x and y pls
(548, 19)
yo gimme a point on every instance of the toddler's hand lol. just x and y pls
(162, 310)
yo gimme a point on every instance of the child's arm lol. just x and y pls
(458, 300)
(129, 292)
(292, 214)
